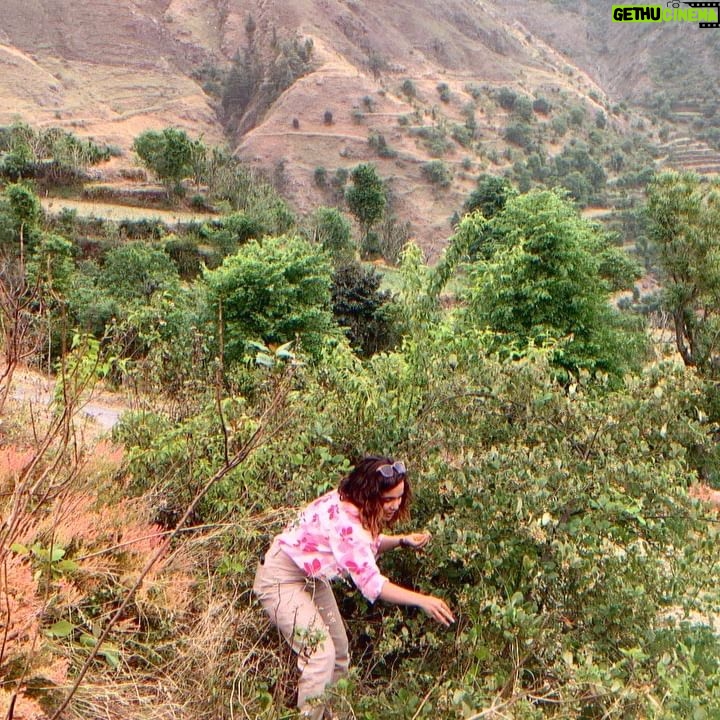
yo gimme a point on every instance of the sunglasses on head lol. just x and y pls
(388, 471)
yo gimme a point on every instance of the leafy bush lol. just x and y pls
(444, 91)
(331, 229)
(437, 172)
(320, 176)
(231, 232)
(369, 103)
(542, 106)
(543, 282)
(362, 309)
(462, 135)
(519, 134)
(408, 88)
(276, 291)
(490, 196)
(523, 109)
(435, 139)
(49, 155)
(378, 143)
(366, 197)
(168, 154)
(506, 98)
(576, 116)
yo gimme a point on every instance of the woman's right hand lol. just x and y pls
(437, 609)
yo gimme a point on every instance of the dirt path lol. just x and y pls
(34, 390)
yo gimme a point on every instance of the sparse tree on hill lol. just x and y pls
(685, 226)
(366, 198)
(169, 154)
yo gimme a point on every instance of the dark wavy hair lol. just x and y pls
(364, 486)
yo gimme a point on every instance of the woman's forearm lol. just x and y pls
(415, 541)
(390, 542)
(435, 607)
(398, 595)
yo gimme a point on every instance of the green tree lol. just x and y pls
(362, 309)
(684, 225)
(135, 271)
(24, 205)
(542, 281)
(490, 195)
(169, 154)
(331, 229)
(51, 264)
(274, 290)
(233, 231)
(366, 198)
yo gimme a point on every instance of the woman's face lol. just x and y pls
(391, 501)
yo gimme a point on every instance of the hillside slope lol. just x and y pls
(110, 70)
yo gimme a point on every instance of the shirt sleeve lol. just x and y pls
(352, 548)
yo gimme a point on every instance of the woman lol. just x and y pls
(339, 534)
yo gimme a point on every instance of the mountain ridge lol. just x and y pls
(116, 69)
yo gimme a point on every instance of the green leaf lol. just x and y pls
(61, 629)
(87, 640)
(260, 347)
(19, 549)
(284, 352)
(112, 659)
(264, 360)
(111, 653)
(66, 566)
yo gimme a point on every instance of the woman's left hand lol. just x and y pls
(416, 541)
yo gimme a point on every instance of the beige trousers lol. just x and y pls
(306, 613)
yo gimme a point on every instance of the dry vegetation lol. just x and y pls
(88, 580)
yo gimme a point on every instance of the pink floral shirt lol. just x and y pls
(328, 540)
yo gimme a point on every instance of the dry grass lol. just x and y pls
(111, 211)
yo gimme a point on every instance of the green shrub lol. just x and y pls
(462, 135)
(474, 90)
(523, 109)
(408, 88)
(576, 116)
(541, 106)
(369, 103)
(506, 98)
(378, 143)
(444, 92)
(331, 229)
(363, 310)
(519, 134)
(437, 172)
(320, 176)
(274, 291)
